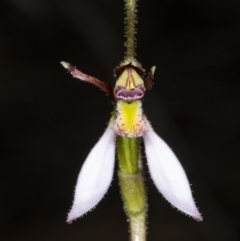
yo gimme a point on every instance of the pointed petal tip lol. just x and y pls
(190, 210)
(69, 221)
(194, 214)
(65, 64)
(198, 217)
(71, 217)
(77, 211)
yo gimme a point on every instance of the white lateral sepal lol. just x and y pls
(95, 176)
(168, 174)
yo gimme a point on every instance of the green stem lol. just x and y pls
(128, 154)
(132, 186)
(131, 20)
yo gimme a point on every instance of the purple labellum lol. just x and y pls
(129, 95)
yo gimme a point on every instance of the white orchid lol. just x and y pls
(129, 121)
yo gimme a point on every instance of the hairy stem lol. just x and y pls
(132, 186)
(130, 21)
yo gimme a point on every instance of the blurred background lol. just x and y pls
(50, 121)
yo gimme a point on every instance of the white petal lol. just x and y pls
(95, 176)
(168, 174)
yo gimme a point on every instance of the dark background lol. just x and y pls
(50, 121)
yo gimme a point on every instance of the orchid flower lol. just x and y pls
(129, 121)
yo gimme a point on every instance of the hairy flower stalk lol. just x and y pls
(130, 175)
(130, 30)
(127, 128)
(132, 186)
